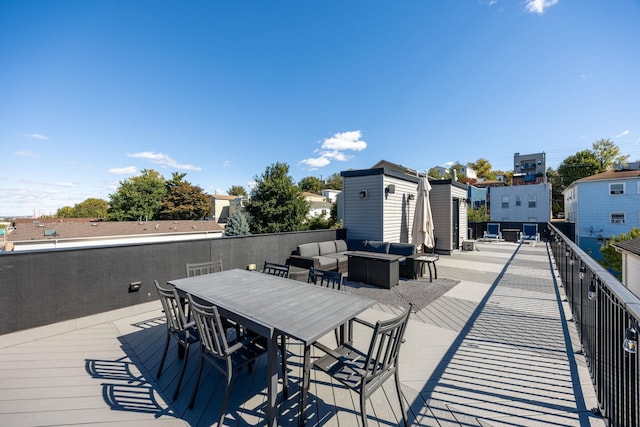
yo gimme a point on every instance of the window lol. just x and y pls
(518, 201)
(532, 200)
(617, 218)
(505, 202)
(616, 188)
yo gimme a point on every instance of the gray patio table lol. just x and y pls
(272, 306)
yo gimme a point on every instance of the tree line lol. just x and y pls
(277, 202)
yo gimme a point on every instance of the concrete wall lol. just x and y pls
(44, 287)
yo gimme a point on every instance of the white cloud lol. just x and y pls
(316, 162)
(226, 163)
(63, 184)
(539, 6)
(163, 159)
(345, 141)
(125, 171)
(623, 133)
(333, 148)
(26, 153)
(37, 136)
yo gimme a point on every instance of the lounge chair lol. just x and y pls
(492, 233)
(530, 233)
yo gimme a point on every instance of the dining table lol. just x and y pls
(274, 306)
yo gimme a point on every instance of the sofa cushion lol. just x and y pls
(308, 249)
(404, 249)
(377, 246)
(326, 262)
(356, 245)
(327, 247)
(341, 246)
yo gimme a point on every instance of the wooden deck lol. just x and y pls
(496, 349)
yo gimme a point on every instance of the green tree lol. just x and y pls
(580, 165)
(319, 222)
(482, 167)
(237, 190)
(334, 181)
(612, 259)
(608, 154)
(311, 184)
(478, 215)
(557, 198)
(237, 224)
(66, 212)
(91, 208)
(184, 200)
(277, 204)
(433, 173)
(138, 197)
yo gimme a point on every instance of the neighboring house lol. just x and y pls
(521, 203)
(630, 250)
(331, 195)
(82, 232)
(313, 197)
(603, 205)
(220, 206)
(379, 204)
(319, 205)
(465, 171)
(477, 197)
(488, 184)
(529, 168)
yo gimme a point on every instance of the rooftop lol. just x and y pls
(491, 343)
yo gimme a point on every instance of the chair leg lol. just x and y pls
(363, 409)
(195, 386)
(227, 392)
(401, 399)
(164, 355)
(184, 366)
(285, 377)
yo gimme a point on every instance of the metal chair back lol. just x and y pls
(281, 270)
(200, 268)
(327, 279)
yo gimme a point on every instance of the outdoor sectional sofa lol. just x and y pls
(332, 254)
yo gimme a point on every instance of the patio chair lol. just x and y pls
(326, 279)
(530, 233)
(492, 233)
(281, 270)
(223, 355)
(200, 268)
(363, 372)
(178, 328)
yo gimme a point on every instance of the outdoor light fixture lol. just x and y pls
(592, 288)
(631, 338)
(389, 189)
(582, 271)
(566, 254)
(411, 196)
(134, 286)
(363, 194)
(572, 259)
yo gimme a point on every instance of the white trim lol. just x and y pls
(611, 193)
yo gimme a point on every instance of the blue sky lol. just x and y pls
(93, 92)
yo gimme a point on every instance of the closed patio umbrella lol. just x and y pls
(422, 230)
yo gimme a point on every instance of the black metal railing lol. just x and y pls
(607, 316)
